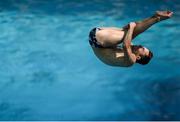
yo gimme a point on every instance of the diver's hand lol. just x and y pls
(132, 25)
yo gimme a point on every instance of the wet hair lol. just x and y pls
(145, 59)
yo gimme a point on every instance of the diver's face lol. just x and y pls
(142, 51)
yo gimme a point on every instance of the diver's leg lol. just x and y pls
(143, 25)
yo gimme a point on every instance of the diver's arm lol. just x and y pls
(130, 58)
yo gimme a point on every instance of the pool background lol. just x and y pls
(48, 70)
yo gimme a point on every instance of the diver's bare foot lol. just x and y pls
(163, 15)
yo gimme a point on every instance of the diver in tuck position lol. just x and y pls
(104, 42)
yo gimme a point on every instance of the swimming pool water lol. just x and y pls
(48, 70)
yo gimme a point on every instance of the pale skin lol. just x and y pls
(110, 37)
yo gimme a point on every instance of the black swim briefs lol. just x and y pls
(92, 38)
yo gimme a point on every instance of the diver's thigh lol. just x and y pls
(109, 37)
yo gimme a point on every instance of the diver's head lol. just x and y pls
(143, 55)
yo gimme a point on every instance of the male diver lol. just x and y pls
(105, 42)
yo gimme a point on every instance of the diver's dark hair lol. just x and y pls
(145, 59)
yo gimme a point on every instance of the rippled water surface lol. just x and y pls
(48, 70)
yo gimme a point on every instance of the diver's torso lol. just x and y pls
(110, 56)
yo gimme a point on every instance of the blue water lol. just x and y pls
(48, 70)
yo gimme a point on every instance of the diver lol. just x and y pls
(113, 45)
